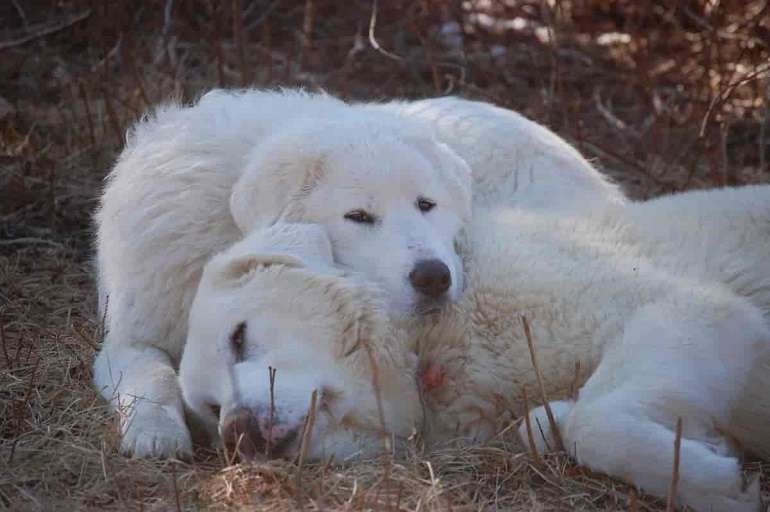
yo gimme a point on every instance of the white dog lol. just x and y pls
(191, 181)
(513, 160)
(274, 294)
(668, 320)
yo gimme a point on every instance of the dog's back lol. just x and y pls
(515, 161)
(721, 235)
(724, 235)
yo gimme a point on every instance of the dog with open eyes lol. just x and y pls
(665, 305)
(392, 183)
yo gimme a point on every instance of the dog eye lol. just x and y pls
(425, 205)
(361, 217)
(215, 409)
(238, 341)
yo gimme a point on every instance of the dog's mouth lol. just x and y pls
(242, 439)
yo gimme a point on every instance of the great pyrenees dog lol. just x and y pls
(391, 183)
(665, 305)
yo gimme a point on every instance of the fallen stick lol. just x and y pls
(554, 428)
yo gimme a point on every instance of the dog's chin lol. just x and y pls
(290, 454)
(421, 306)
(429, 307)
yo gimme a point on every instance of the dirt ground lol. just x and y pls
(665, 96)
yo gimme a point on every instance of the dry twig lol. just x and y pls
(530, 433)
(552, 422)
(271, 419)
(671, 504)
(307, 435)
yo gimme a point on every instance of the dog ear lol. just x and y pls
(270, 187)
(292, 245)
(459, 174)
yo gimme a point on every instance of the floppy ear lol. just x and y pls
(278, 175)
(293, 245)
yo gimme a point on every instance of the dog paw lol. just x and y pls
(729, 494)
(156, 431)
(541, 427)
(747, 501)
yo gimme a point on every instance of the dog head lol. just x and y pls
(391, 197)
(275, 302)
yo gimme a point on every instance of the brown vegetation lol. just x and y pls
(666, 95)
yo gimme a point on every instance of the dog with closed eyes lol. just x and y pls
(665, 305)
(392, 183)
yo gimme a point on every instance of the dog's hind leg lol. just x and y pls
(616, 436)
(142, 386)
(689, 359)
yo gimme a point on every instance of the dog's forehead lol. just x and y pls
(381, 179)
(296, 295)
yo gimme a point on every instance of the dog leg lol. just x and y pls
(541, 428)
(142, 386)
(614, 435)
(687, 358)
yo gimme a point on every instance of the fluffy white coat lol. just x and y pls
(665, 304)
(191, 181)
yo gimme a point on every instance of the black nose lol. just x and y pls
(431, 278)
(242, 433)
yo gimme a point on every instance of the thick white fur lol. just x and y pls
(668, 320)
(514, 161)
(191, 181)
(666, 304)
(249, 282)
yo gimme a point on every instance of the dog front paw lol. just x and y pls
(541, 427)
(154, 430)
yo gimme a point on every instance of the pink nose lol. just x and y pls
(247, 433)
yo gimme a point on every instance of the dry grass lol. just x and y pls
(667, 98)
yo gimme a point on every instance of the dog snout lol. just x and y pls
(431, 278)
(249, 433)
